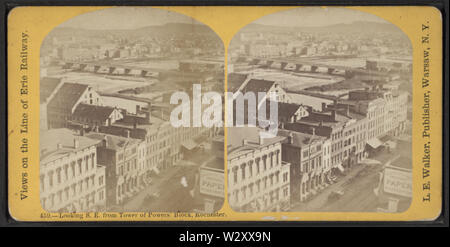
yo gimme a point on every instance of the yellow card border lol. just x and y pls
(37, 22)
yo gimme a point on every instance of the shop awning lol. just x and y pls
(189, 144)
(374, 142)
(391, 144)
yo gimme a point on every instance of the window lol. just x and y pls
(305, 153)
(100, 180)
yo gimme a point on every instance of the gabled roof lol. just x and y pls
(94, 112)
(258, 85)
(235, 80)
(68, 95)
(47, 86)
(286, 110)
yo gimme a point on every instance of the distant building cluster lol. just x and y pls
(266, 44)
(83, 45)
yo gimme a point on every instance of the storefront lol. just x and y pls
(395, 187)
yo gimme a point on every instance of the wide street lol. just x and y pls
(358, 185)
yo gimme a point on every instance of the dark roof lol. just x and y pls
(257, 85)
(94, 112)
(47, 86)
(286, 110)
(68, 95)
(235, 80)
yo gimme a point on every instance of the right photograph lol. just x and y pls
(321, 113)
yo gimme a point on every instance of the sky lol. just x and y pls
(137, 17)
(316, 17)
(126, 18)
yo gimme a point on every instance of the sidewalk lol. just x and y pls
(321, 199)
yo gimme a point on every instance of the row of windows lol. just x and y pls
(54, 200)
(67, 172)
(126, 187)
(73, 190)
(256, 166)
(248, 193)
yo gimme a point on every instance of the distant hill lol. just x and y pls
(167, 29)
(360, 26)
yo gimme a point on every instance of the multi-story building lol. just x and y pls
(62, 105)
(119, 155)
(385, 111)
(258, 180)
(71, 180)
(305, 154)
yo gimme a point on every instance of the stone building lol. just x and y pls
(71, 180)
(258, 180)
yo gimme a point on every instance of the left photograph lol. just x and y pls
(114, 84)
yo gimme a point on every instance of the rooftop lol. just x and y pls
(68, 95)
(55, 143)
(112, 141)
(299, 139)
(257, 85)
(237, 135)
(97, 113)
(214, 163)
(47, 86)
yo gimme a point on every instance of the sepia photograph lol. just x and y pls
(340, 82)
(108, 81)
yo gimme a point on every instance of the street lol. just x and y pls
(358, 186)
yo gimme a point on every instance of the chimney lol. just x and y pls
(313, 131)
(333, 115)
(59, 145)
(138, 109)
(81, 131)
(282, 125)
(320, 123)
(96, 128)
(261, 140)
(105, 142)
(127, 133)
(324, 106)
(76, 143)
(291, 138)
(348, 110)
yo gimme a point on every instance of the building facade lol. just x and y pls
(71, 180)
(258, 180)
